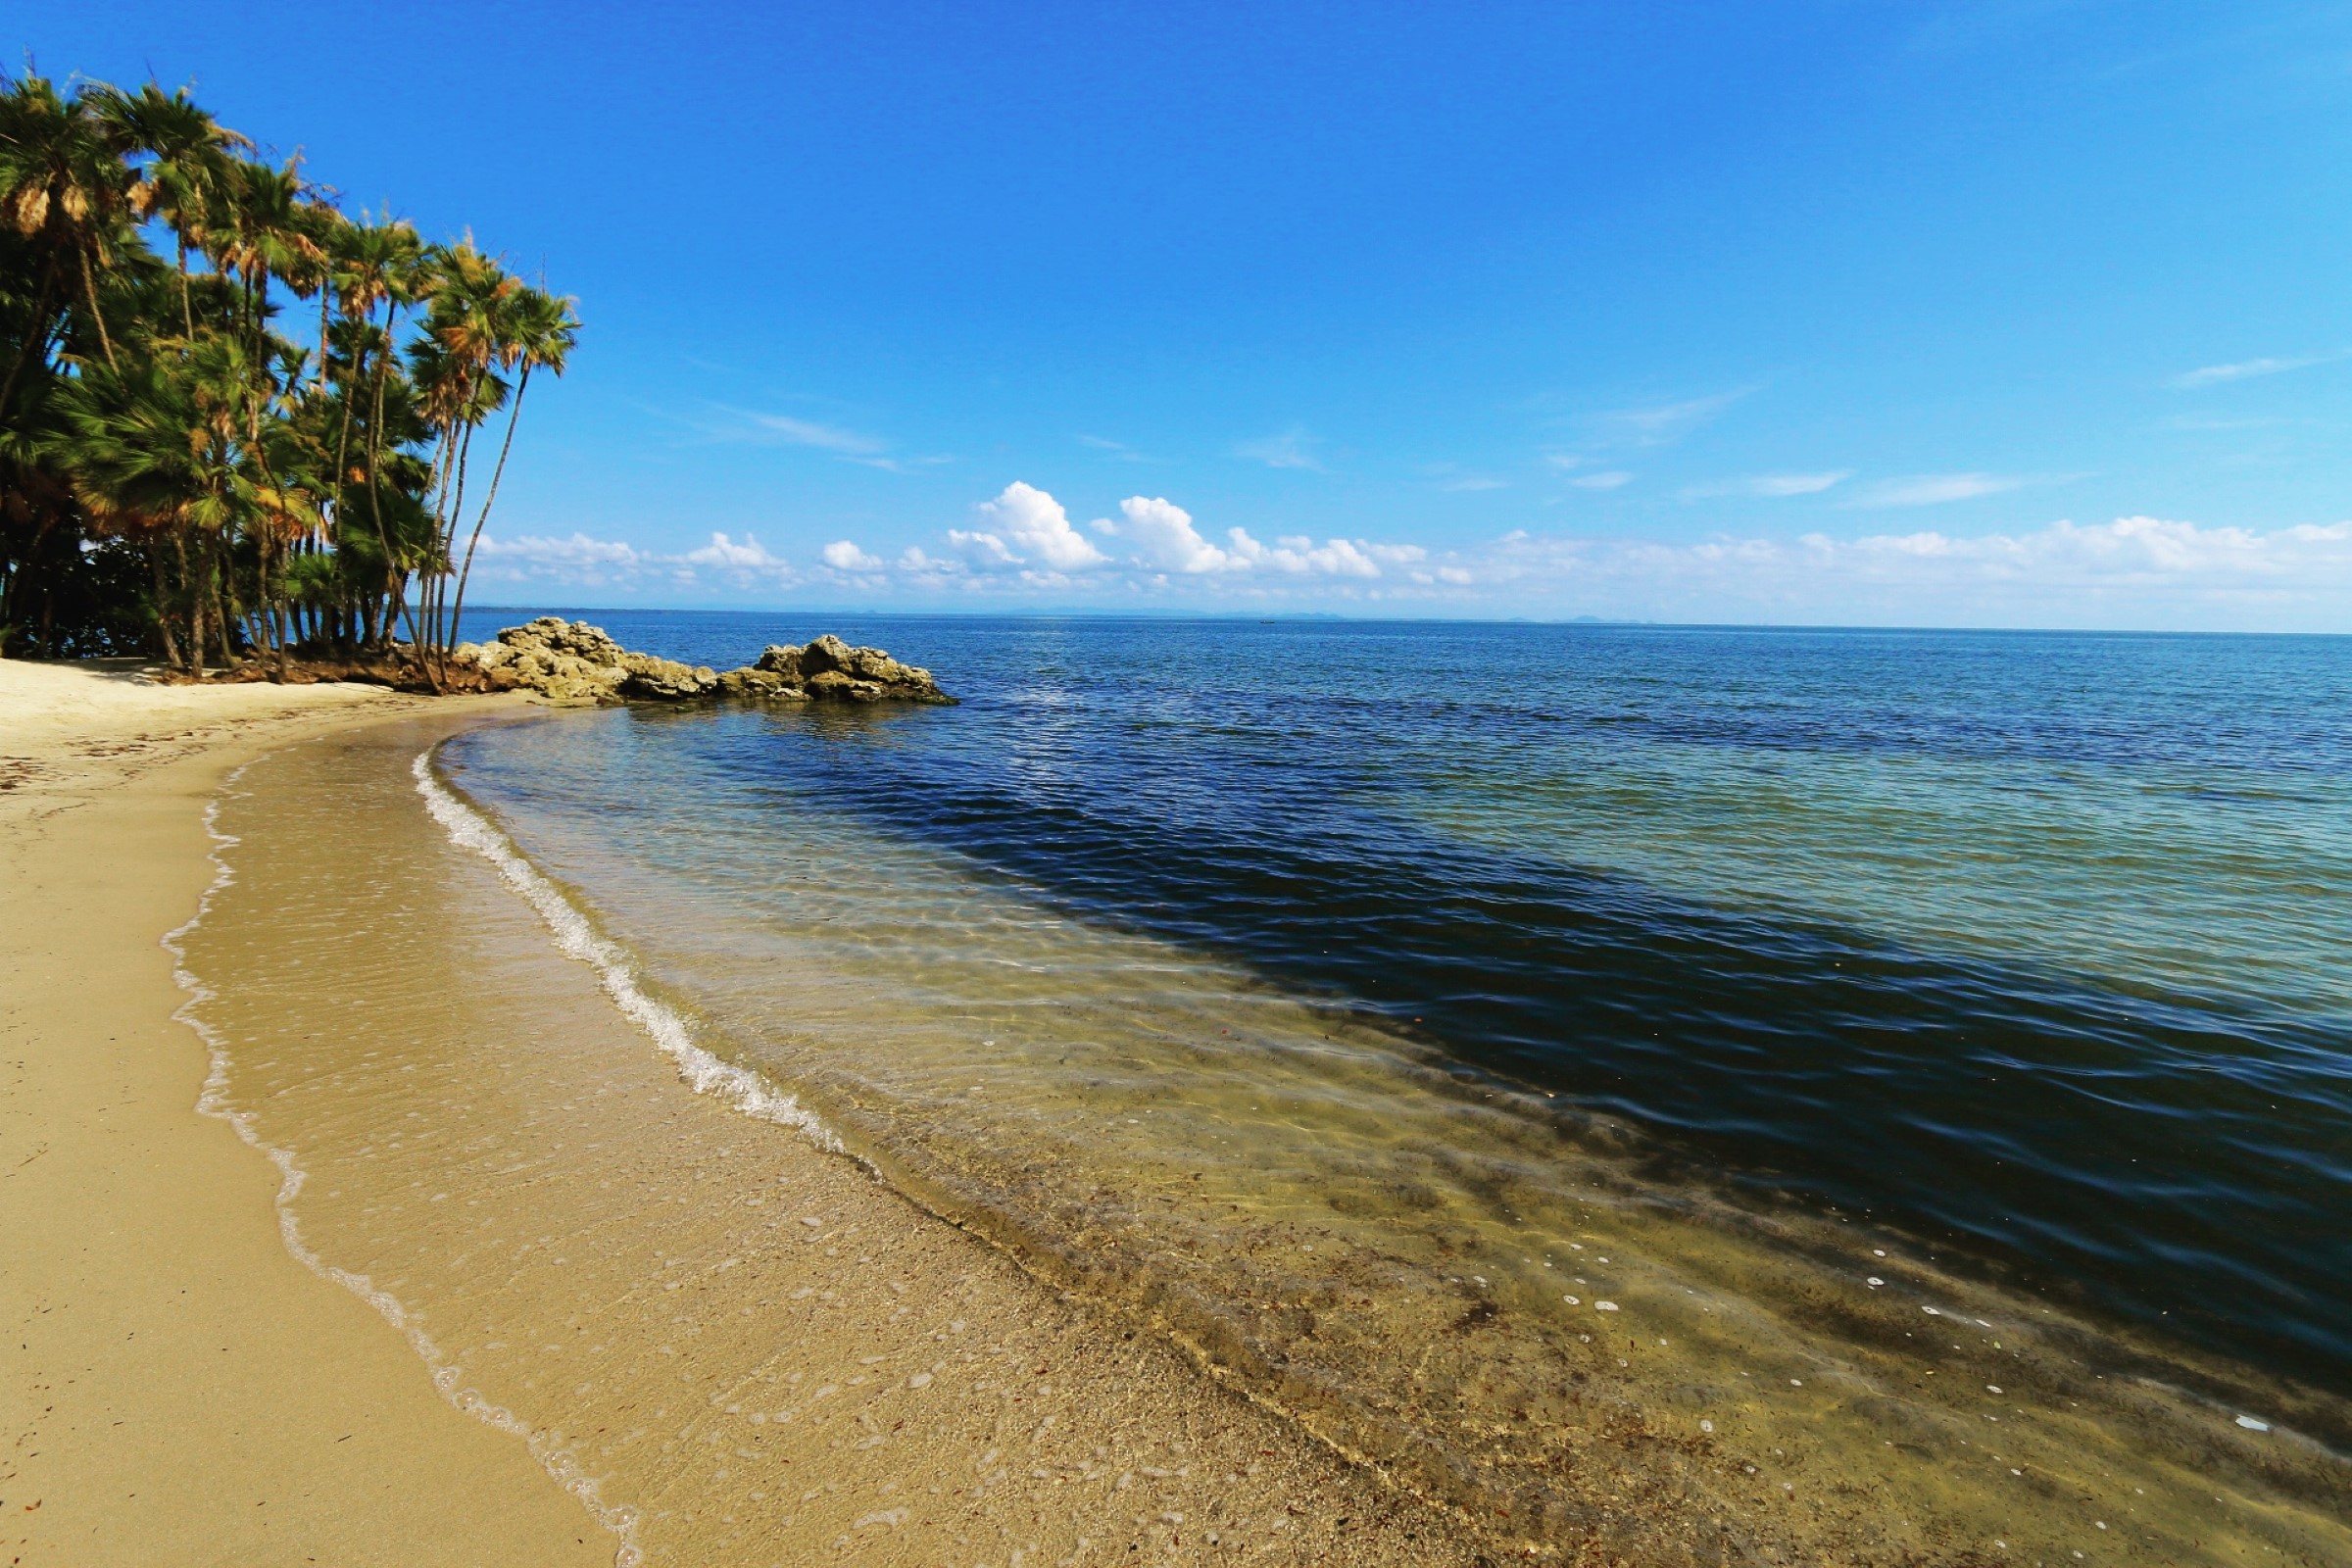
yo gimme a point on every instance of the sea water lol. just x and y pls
(1536, 1055)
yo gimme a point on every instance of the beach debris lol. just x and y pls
(2253, 1423)
(573, 664)
(1604, 1307)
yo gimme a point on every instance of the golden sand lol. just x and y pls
(177, 1389)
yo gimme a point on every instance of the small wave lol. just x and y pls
(701, 1071)
(560, 1462)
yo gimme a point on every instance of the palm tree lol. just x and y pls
(62, 186)
(542, 331)
(153, 400)
(188, 163)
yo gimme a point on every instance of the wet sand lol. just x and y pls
(812, 1368)
(177, 1388)
(733, 1343)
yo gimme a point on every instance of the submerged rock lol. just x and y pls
(571, 663)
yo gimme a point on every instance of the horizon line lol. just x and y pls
(1597, 621)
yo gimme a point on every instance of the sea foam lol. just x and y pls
(701, 1071)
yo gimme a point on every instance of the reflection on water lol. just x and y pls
(1178, 990)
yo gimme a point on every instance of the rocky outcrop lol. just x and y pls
(572, 663)
(830, 668)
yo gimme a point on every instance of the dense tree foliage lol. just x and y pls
(235, 422)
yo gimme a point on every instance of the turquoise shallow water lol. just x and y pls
(2031, 948)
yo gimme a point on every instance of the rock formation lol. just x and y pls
(829, 667)
(572, 663)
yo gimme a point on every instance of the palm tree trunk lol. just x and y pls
(90, 286)
(523, 384)
(187, 579)
(187, 310)
(163, 607)
(446, 635)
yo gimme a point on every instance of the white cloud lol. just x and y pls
(1164, 537)
(1026, 525)
(1116, 449)
(721, 551)
(2131, 572)
(982, 550)
(1476, 481)
(752, 428)
(582, 561)
(2245, 369)
(1290, 449)
(531, 552)
(1772, 485)
(1300, 556)
(843, 554)
(824, 437)
(1658, 423)
(1607, 479)
(1935, 489)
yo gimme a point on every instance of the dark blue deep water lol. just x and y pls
(2036, 947)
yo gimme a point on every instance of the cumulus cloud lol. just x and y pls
(533, 553)
(580, 561)
(723, 551)
(843, 554)
(1026, 527)
(1163, 536)
(1300, 556)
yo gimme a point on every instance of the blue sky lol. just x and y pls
(1826, 311)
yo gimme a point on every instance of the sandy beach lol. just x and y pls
(178, 1387)
(368, 1204)
(183, 1388)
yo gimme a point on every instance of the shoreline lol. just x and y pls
(525, 1154)
(242, 1361)
(180, 1388)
